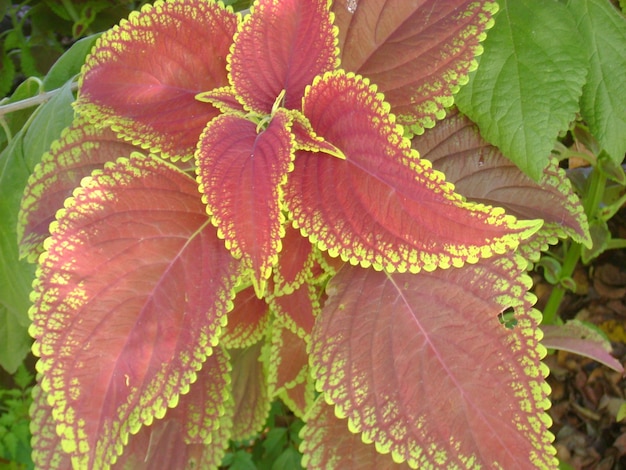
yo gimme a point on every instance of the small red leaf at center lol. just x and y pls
(240, 172)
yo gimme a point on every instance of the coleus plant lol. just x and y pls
(244, 216)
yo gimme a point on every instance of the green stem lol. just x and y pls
(591, 204)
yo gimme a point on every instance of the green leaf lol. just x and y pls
(69, 64)
(16, 163)
(529, 81)
(288, 460)
(48, 122)
(14, 340)
(603, 41)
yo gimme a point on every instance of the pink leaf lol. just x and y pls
(418, 52)
(287, 360)
(81, 149)
(128, 301)
(241, 170)
(282, 46)
(422, 367)
(383, 205)
(295, 262)
(297, 311)
(580, 338)
(143, 75)
(192, 435)
(246, 322)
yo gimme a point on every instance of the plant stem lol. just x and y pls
(32, 101)
(591, 204)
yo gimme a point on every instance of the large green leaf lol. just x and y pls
(422, 367)
(129, 300)
(16, 163)
(529, 81)
(418, 52)
(603, 104)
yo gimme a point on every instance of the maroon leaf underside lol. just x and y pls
(240, 173)
(295, 262)
(382, 204)
(423, 368)
(250, 391)
(481, 173)
(282, 46)
(417, 52)
(136, 281)
(299, 398)
(190, 435)
(143, 75)
(297, 311)
(246, 322)
(81, 149)
(288, 361)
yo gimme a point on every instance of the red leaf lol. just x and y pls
(295, 262)
(421, 365)
(250, 392)
(241, 171)
(246, 322)
(383, 205)
(581, 338)
(129, 299)
(297, 311)
(81, 149)
(287, 359)
(417, 52)
(481, 173)
(328, 444)
(47, 452)
(192, 435)
(282, 46)
(143, 75)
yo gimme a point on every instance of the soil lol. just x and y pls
(586, 396)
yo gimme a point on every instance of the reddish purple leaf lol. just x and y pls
(299, 398)
(295, 262)
(481, 173)
(241, 170)
(421, 365)
(81, 149)
(418, 52)
(383, 205)
(143, 75)
(287, 360)
(297, 311)
(129, 299)
(246, 322)
(580, 338)
(192, 435)
(47, 452)
(250, 392)
(328, 444)
(282, 46)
